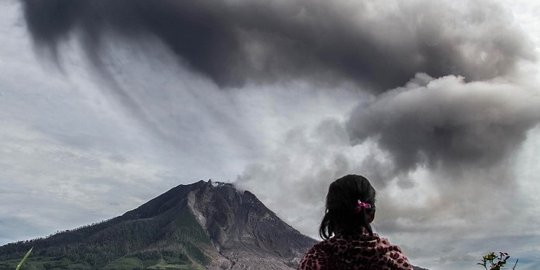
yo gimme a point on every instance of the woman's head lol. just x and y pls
(343, 213)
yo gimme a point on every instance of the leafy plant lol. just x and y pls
(491, 261)
(24, 259)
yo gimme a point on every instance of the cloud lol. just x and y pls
(468, 113)
(376, 44)
(448, 124)
(447, 121)
(50, 186)
(299, 170)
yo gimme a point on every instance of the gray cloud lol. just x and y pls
(454, 142)
(378, 45)
(299, 171)
(447, 123)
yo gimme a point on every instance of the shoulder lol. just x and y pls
(315, 258)
(394, 256)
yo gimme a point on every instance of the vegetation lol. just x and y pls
(171, 240)
(492, 261)
(24, 259)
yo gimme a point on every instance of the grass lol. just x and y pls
(24, 259)
(490, 261)
(126, 263)
(41, 262)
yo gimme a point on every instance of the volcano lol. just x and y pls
(205, 225)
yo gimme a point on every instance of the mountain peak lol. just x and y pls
(205, 224)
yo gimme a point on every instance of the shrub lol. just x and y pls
(491, 261)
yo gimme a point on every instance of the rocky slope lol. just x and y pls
(244, 231)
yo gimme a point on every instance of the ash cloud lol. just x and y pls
(447, 124)
(377, 45)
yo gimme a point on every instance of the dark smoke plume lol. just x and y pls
(447, 123)
(472, 117)
(375, 44)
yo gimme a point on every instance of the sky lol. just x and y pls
(107, 104)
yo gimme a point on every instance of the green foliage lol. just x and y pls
(125, 263)
(492, 261)
(43, 263)
(191, 230)
(24, 259)
(172, 240)
(196, 254)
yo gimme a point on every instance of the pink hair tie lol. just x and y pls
(362, 205)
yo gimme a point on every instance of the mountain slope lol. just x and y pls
(202, 225)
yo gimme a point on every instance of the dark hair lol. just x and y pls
(341, 214)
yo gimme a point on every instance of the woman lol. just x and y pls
(348, 239)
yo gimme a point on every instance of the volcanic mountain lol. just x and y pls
(204, 225)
